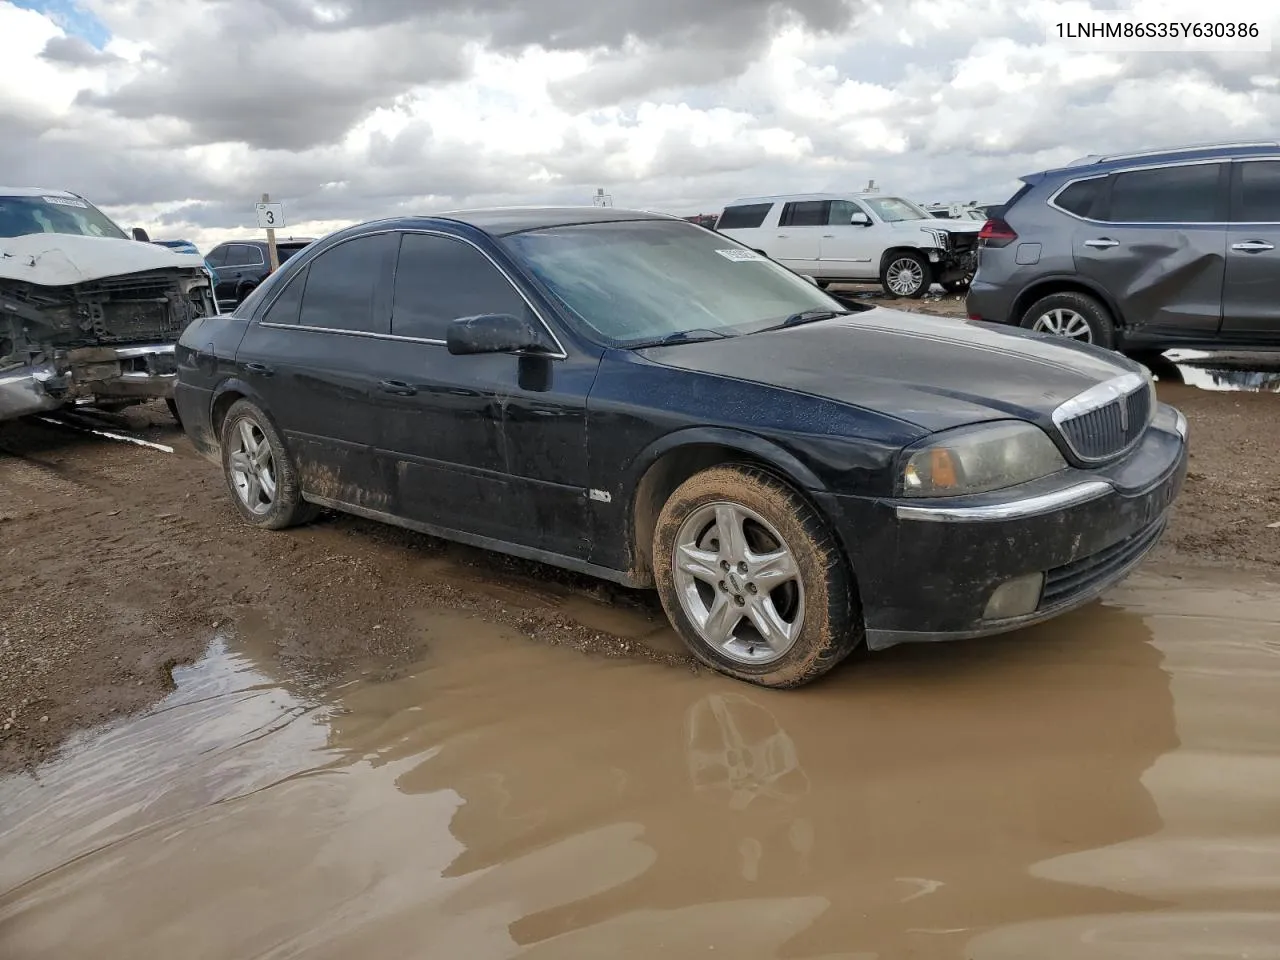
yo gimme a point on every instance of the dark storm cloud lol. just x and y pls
(278, 74)
(75, 52)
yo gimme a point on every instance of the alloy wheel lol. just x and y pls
(738, 583)
(1064, 322)
(904, 276)
(253, 469)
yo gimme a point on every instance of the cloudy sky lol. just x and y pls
(178, 115)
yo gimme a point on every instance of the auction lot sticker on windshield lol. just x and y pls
(66, 202)
(739, 255)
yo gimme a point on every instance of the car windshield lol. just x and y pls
(895, 209)
(639, 281)
(22, 216)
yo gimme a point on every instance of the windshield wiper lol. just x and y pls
(681, 336)
(804, 316)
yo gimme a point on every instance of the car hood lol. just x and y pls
(934, 372)
(59, 259)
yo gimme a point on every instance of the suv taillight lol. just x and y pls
(996, 233)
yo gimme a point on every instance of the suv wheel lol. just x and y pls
(752, 579)
(906, 275)
(1076, 316)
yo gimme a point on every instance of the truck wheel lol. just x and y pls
(259, 474)
(1075, 316)
(752, 579)
(905, 274)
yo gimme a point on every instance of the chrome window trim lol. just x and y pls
(1137, 169)
(561, 353)
(1098, 396)
(1023, 508)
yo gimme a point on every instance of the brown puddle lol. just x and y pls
(1107, 786)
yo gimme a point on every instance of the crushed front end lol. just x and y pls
(956, 258)
(107, 341)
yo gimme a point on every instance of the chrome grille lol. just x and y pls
(1106, 420)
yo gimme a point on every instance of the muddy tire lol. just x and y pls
(752, 578)
(261, 478)
(1074, 316)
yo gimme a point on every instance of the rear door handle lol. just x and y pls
(783, 236)
(1102, 243)
(828, 236)
(1253, 246)
(259, 368)
(397, 387)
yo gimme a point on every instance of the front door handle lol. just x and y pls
(1252, 246)
(397, 387)
(783, 236)
(259, 368)
(1102, 243)
(828, 236)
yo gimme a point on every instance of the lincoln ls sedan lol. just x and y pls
(641, 399)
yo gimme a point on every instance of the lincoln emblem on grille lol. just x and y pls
(1107, 419)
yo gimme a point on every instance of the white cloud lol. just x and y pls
(350, 112)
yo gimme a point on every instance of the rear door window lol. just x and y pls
(1185, 194)
(805, 213)
(344, 282)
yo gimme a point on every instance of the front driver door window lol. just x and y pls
(849, 251)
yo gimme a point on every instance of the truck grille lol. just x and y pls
(1106, 420)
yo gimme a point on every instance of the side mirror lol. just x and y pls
(494, 333)
(860, 219)
(140, 234)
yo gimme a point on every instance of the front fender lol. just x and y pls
(788, 466)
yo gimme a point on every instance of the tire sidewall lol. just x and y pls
(921, 261)
(288, 505)
(829, 631)
(1094, 313)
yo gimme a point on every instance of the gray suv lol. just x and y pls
(1142, 251)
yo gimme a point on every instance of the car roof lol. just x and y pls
(802, 197)
(37, 192)
(1099, 164)
(503, 221)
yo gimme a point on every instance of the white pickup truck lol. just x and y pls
(857, 238)
(87, 313)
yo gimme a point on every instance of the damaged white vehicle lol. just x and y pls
(87, 314)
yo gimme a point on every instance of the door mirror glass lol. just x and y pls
(860, 219)
(140, 234)
(494, 333)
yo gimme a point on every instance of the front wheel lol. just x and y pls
(906, 275)
(259, 474)
(752, 578)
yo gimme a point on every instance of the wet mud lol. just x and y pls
(1104, 786)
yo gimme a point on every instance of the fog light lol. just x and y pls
(1015, 598)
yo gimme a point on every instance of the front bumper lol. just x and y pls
(927, 570)
(87, 375)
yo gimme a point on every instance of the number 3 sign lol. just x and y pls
(270, 215)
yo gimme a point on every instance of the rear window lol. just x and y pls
(1080, 197)
(745, 216)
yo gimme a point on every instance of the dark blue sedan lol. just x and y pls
(642, 399)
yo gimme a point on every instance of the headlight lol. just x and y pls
(977, 460)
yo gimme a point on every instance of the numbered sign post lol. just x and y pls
(270, 216)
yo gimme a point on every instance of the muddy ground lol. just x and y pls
(118, 561)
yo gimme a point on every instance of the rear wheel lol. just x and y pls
(752, 579)
(259, 474)
(1075, 316)
(905, 274)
